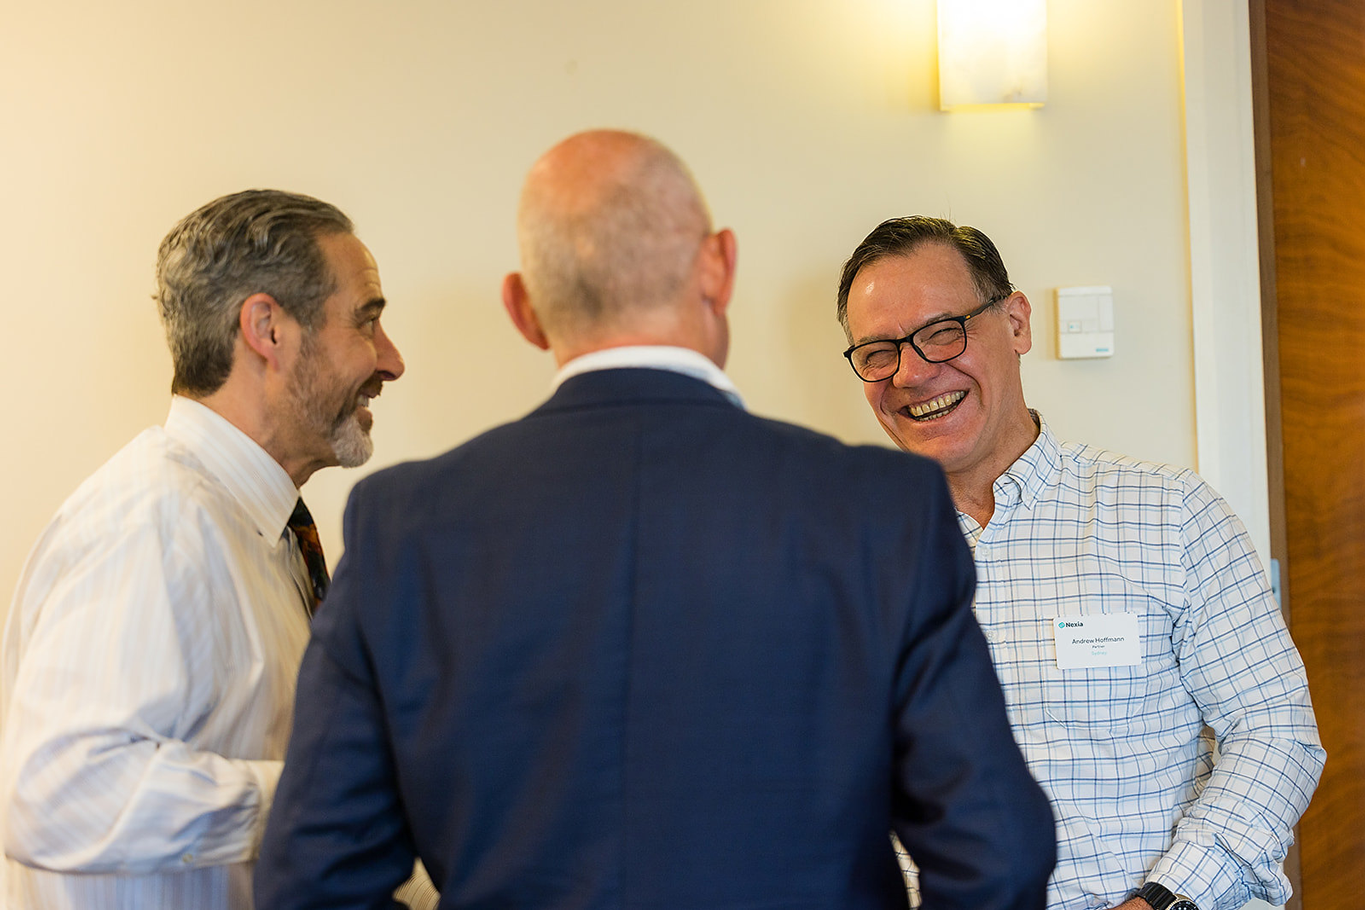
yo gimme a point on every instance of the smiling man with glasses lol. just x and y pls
(1130, 621)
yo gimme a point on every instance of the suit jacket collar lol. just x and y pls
(632, 385)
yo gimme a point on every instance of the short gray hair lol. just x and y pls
(632, 249)
(256, 241)
(902, 236)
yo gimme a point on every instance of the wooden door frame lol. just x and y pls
(1270, 335)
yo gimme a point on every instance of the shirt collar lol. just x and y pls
(255, 479)
(1034, 471)
(655, 357)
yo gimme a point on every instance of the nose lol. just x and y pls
(390, 363)
(912, 369)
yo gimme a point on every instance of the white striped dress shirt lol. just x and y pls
(148, 670)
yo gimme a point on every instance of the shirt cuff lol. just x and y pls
(267, 775)
(1206, 875)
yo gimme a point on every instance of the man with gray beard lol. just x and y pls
(150, 654)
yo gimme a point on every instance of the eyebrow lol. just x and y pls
(371, 309)
(933, 319)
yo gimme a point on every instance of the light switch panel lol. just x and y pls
(1085, 322)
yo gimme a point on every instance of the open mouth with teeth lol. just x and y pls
(359, 408)
(935, 408)
(368, 392)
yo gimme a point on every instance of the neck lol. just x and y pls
(691, 321)
(230, 403)
(975, 500)
(973, 490)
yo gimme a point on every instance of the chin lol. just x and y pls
(945, 450)
(351, 444)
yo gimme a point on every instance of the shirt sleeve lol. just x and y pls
(1240, 665)
(112, 656)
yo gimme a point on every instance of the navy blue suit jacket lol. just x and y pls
(642, 649)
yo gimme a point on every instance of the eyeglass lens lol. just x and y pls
(937, 342)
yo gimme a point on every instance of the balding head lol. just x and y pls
(612, 229)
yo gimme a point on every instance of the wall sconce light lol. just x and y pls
(992, 52)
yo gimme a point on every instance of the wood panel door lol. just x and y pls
(1310, 57)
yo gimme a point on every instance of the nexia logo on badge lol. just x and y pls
(1070, 625)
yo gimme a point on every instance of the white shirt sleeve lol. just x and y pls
(121, 674)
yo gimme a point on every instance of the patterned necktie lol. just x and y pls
(301, 523)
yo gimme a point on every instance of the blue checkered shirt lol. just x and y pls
(1127, 753)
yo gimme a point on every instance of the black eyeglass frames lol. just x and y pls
(938, 342)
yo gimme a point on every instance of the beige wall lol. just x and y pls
(807, 122)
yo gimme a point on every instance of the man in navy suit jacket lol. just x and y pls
(642, 649)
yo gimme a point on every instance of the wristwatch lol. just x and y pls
(1161, 898)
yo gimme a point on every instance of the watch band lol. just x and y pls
(1162, 898)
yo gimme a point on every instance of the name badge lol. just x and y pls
(1097, 640)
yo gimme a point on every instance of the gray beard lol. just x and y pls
(351, 444)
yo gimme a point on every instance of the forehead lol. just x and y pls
(910, 289)
(353, 269)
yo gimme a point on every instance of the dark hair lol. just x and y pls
(256, 241)
(901, 236)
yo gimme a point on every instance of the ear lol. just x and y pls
(263, 324)
(720, 252)
(1019, 311)
(518, 305)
